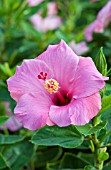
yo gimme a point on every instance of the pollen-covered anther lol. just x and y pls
(51, 86)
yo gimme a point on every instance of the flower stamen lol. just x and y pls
(51, 85)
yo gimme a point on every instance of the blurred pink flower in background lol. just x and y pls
(93, 0)
(58, 87)
(34, 2)
(79, 48)
(52, 8)
(103, 18)
(37, 21)
(89, 31)
(12, 123)
(102, 21)
(50, 22)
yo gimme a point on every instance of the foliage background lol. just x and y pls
(20, 40)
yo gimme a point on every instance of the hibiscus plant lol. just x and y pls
(55, 87)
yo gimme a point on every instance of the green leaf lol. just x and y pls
(108, 89)
(86, 157)
(88, 129)
(4, 94)
(84, 129)
(3, 163)
(18, 155)
(53, 165)
(71, 161)
(5, 139)
(67, 137)
(33, 10)
(49, 155)
(89, 167)
(107, 166)
(2, 109)
(2, 84)
(106, 104)
(3, 119)
(6, 69)
(102, 133)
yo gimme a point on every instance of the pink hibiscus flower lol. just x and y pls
(12, 123)
(58, 87)
(102, 21)
(79, 48)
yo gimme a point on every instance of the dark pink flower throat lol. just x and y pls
(52, 86)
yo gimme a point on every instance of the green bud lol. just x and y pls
(103, 156)
(100, 62)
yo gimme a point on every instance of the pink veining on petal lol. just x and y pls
(25, 79)
(87, 79)
(32, 110)
(57, 58)
(84, 109)
(60, 115)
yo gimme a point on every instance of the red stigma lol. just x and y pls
(42, 76)
(45, 74)
(41, 73)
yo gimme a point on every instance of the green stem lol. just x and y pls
(6, 132)
(92, 146)
(33, 157)
(97, 162)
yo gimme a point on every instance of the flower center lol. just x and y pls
(51, 85)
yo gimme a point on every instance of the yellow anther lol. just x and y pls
(51, 86)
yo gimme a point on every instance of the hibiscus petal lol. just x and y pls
(25, 79)
(87, 79)
(60, 115)
(49, 122)
(85, 109)
(63, 61)
(32, 110)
